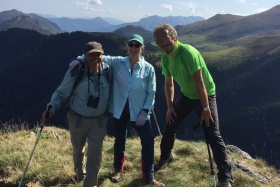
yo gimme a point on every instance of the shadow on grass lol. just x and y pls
(134, 183)
(9, 184)
(102, 178)
(137, 183)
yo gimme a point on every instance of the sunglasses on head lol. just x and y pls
(135, 45)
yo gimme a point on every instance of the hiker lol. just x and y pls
(86, 119)
(134, 87)
(186, 66)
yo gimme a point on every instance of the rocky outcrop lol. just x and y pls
(262, 178)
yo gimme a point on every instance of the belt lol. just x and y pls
(73, 112)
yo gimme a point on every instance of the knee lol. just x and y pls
(120, 140)
(169, 133)
(147, 142)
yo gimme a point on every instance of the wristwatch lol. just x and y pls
(206, 109)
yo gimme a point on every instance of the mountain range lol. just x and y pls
(98, 24)
(14, 18)
(242, 56)
(225, 28)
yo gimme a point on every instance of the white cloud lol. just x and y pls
(95, 2)
(239, 14)
(245, 2)
(262, 9)
(241, 1)
(114, 12)
(148, 14)
(168, 7)
(140, 6)
(83, 5)
(190, 7)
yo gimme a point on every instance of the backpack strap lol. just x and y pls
(107, 72)
(79, 73)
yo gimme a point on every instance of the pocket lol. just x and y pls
(139, 82)
(104, 88)
(71, 112)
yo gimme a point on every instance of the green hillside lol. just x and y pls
(201, 42)
(232, 29)
(231, 57)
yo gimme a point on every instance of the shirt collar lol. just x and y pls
(174, 50)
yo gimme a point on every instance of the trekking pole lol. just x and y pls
(209, 153)
(38, 137)
(210, 158)
(156, 122)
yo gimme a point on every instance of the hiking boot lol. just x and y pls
(225, 184)
(80, 179)
(163, 163)
(117, 176)
(155, 183)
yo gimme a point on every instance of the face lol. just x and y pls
(165, 42)
(93, 59)
(134, 48)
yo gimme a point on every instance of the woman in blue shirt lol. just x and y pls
(134, 87)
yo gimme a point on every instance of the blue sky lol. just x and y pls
(134, 10)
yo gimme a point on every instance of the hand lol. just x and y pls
(73, 64)
(44, 118)
(141, 119)
(170, 112)
(205, 116)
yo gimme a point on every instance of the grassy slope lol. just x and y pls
(200, 42)
(51, 163)
(229, 58)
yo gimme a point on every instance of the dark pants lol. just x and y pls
(183, 106)
(147, 141)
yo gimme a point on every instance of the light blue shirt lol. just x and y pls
(138, 87)
(79, 99)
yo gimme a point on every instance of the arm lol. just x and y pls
(62, 92)
(151, 90)
(169, 95)
(150, 98)
(108, 59)
(202, 94)
(59, 95)
(76, 62)
(111, 60)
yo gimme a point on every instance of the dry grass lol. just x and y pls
(51, 163)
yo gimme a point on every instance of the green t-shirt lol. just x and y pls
(187, 61)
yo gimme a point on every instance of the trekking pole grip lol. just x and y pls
(47, 113)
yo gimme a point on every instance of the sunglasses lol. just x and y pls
(135, 45)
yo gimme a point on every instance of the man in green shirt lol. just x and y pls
(186, 66)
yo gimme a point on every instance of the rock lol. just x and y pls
(260, 177)
(235, 149)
